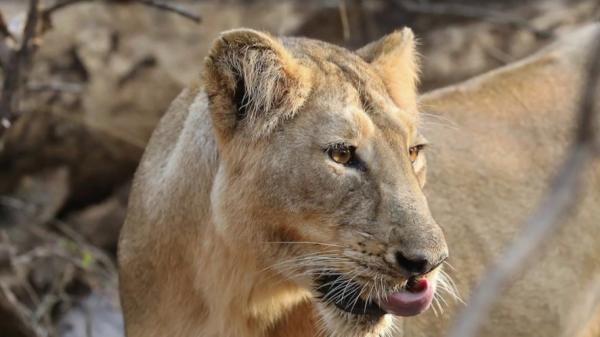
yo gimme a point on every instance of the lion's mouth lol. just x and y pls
(345, 294)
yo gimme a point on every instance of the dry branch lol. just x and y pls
(344, 19)
(162, 5)
(558, 203)
(5, 36)
(14, 315)
(13, 322)
(16, 62)
(60, 4)
(4, 28)
(17, 69)
(171, 8)
(32, 317)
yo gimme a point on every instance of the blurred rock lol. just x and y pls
(37, 199)
(100, 224)
(103, 76)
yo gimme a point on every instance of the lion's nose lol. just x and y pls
(418, 264)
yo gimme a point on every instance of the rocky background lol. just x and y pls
(103, 72)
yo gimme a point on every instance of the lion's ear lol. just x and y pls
(395, 59)
(253, 83)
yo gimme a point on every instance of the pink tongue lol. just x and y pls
(406, 303)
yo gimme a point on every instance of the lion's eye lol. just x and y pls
(341, 153)
(413, 152)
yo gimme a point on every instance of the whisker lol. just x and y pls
(307, 243)
(447, 284)
(433, 308)
(300, 258)
(449, 265)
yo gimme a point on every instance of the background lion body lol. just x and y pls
(486, 174)
(490, 166)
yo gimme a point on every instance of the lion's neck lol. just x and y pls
(244, 296)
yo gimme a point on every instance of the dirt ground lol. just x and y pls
(103, 73)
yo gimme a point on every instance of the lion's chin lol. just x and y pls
(337, 322)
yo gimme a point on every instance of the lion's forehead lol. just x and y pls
(346, 87)
(338, 118)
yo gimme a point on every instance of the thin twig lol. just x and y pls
(7, 39)
(19, 64)
(171, 8)
(344, 19)
(55, 86)
(546, 219)
(60, 4)
(4, 31)
(585, 134)
(68, 234)
(17, 314)
(5, 54)
(467, 11)
(163, 5)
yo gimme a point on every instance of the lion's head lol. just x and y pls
(322, 167)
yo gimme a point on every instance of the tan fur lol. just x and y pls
(397, 67)
(496, 142)
(207, 212)
(275, 83)
(236, 209)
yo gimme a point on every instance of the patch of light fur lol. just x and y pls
(334, 323)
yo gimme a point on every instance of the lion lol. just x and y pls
(282, 195)
(234, 228)
(496, 142)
